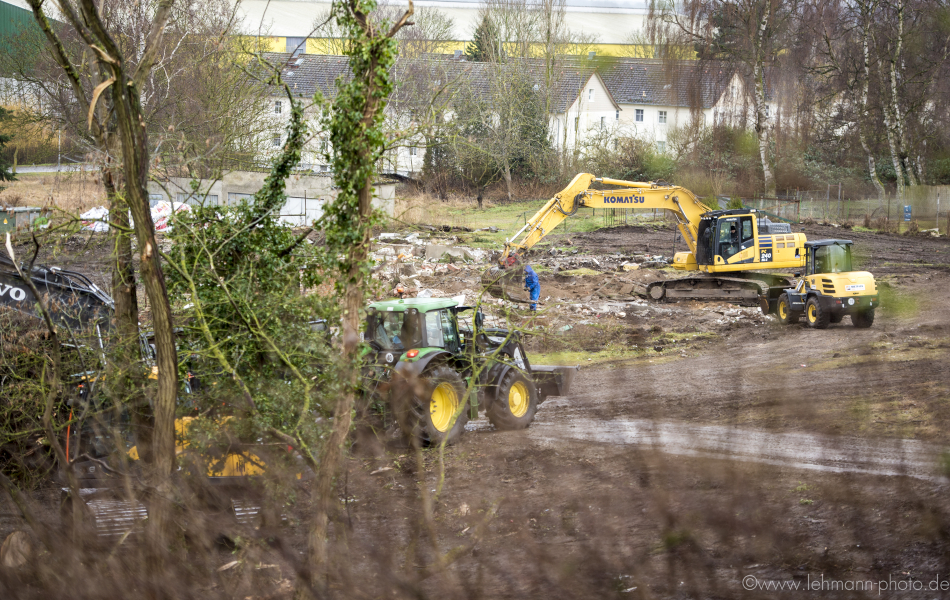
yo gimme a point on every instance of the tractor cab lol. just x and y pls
(397, 326)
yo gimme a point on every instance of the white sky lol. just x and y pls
(610, 20)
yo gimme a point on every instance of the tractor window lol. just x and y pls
(434, 335)
(448, 330)
(746, 229)
(833, 259)
(388, 330)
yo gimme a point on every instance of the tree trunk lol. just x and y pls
(895, 152)
(872, 168)
(507, 173)
(134, 145)
(863, 107)
(896, 127)
(122, 382)
(761, 118)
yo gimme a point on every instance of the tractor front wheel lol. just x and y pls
(439, 412)
(516, 401)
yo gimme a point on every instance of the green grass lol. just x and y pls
(509, 219)
(580, 272)
(897, 303)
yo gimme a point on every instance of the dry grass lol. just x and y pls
(704, 184)
(426, 209)
(69, 192)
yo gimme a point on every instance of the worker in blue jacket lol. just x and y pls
(533, 286)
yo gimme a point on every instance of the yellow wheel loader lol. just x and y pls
(829, 290)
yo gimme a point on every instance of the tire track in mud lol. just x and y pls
(834, 454)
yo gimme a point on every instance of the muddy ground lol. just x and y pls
(726, 456)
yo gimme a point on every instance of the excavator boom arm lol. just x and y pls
(631, 194)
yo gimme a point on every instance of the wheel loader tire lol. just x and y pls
(863, 320)
(439, 412)
(516, 402)
(786, 315)
(815, 316)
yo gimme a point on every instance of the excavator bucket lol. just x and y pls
(507, 283)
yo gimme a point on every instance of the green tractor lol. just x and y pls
(436, 365)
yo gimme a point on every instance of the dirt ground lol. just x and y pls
(705, 451)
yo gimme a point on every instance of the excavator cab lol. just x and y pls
(725, 234)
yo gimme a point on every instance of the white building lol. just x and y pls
(647, 99)
(642, 98)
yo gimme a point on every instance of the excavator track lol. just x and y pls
(737, 290)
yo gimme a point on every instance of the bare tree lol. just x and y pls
(843, 34)
(748, 33)
(125, 109)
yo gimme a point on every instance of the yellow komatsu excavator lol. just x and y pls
(728, 249)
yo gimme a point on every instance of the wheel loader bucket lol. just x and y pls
(553, 381)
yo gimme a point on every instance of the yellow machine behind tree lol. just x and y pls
(730, 251)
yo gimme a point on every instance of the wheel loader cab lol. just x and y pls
(832, 258)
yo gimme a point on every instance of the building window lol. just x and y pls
(278, 106)
(412, 150)
(590, 94)
(618, 115)
(661, 147)
(638, 116)
(277, 140)
(297, 45)
(577, 123)
(615, 144)
(768, 113)
(603, 122)
(662, 116)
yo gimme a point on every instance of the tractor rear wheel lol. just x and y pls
(437, 414)
(516, 401)
(863, 320)
(786, 315)
(815, 315)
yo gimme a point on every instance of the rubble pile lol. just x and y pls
(577, 289)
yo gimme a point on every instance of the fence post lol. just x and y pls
(839, 201)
